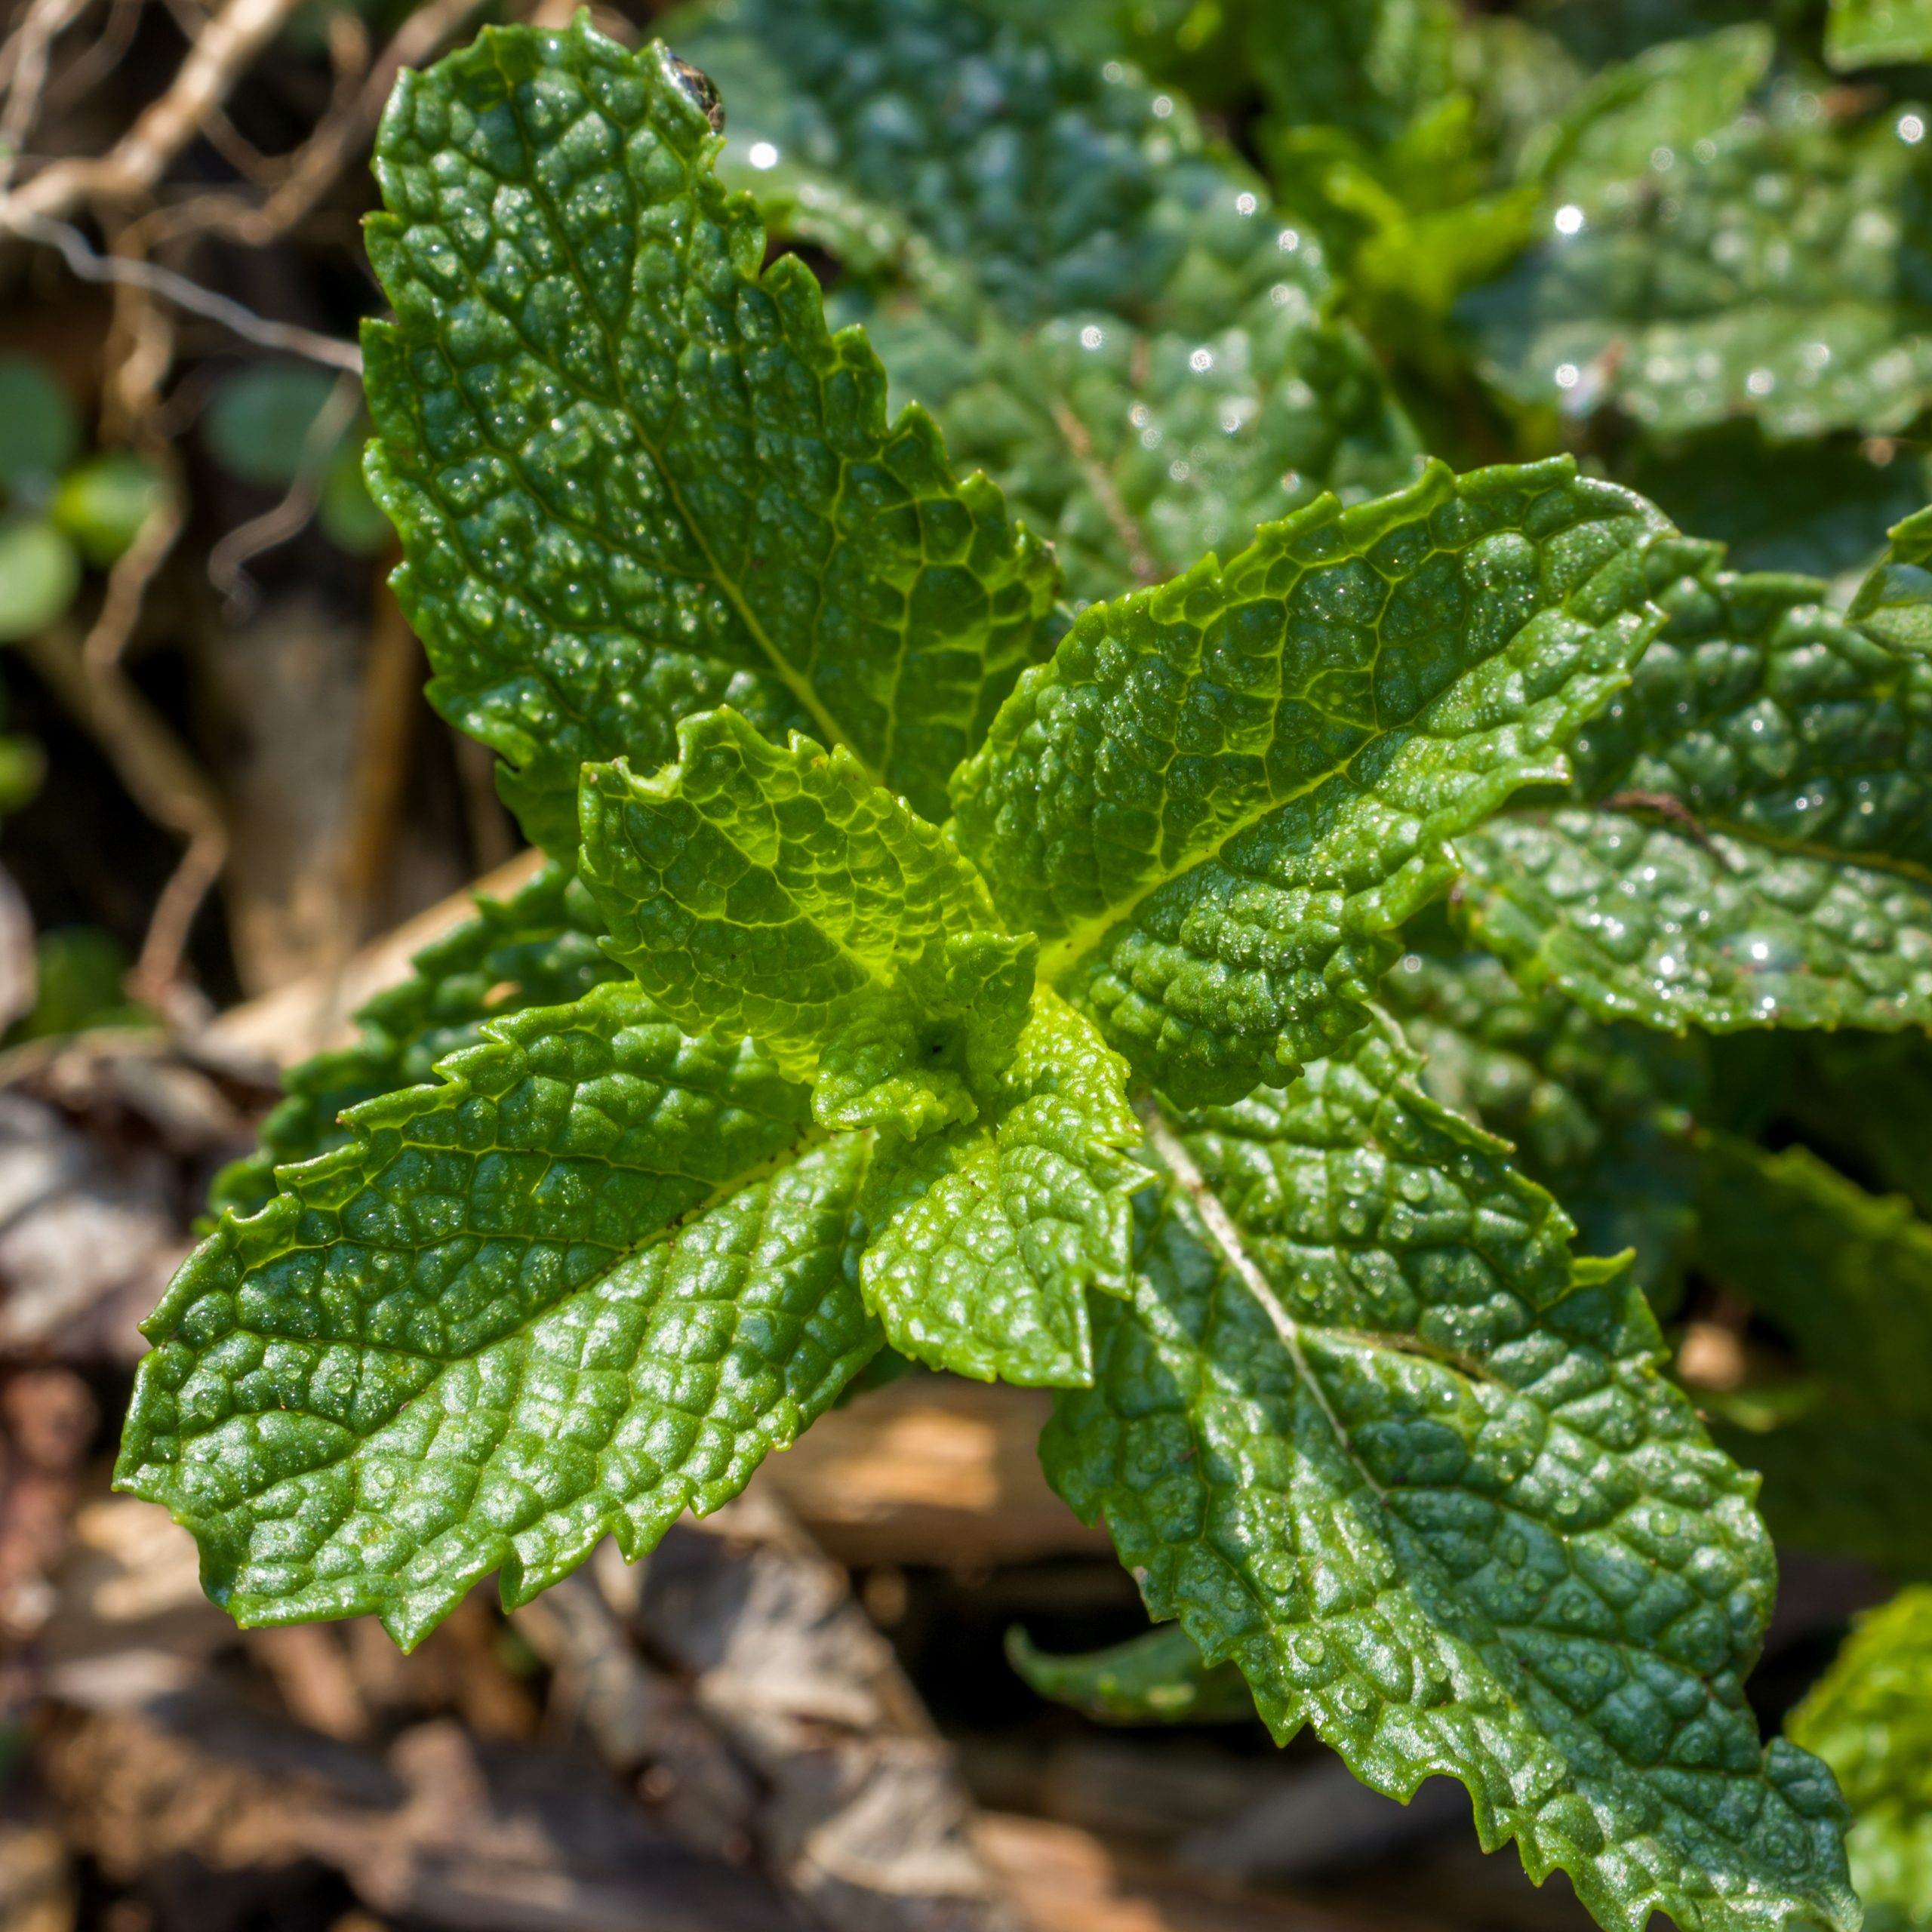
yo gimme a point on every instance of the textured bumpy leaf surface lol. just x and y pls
(1791, 884)
(1870, 1720)
(1219, 796)
(989, 1234)
(1159, 1679)
(1848, 1277)
(1138, 450)
(1703, 263)
(586, 1282)
(538, 948)
(1641, 921)
(781, 894)
(1369, 1431)
(635, 476)
(1600, 1114)
(1105, 314)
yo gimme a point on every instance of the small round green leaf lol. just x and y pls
(104, 503)
(40, 433)
(40, 570)
(259, 422)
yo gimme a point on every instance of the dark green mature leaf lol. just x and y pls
(1870, 1720)
(1103, 312)
(538, 948)
(585, 1283)
(1220, 796)
(1368, 65)
(1040, 182)
(1703, 263)
(1159, 1679)
(1600, 1116)
(1844, 1482)
(1878, 33)
(781, 893)
(1368, 1429)
(1846, 1274)
(634, 475)
(1809, 507)
(1647, 922)
(1866, 1099)
(1848, 1278)
(1786, 881)
(1138, 450)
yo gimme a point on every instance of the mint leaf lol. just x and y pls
(1771, 864)
(1369, 1431)
(1601, 1115)
(1699, 263)
(1878, 33)
(1368, 65)
(585, 1283)
(1640, 922)
(989, 1235)
(1159, 1679)
(1846, 1274)
(1848, 1277)
(635, 476)
(781, 894)
(1870, 1719)
(1219, 797)
(1049, 275)
(1137, 449)
(1870, 1094)
(538, 948)
(1893, 605)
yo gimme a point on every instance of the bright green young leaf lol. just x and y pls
(1699, 262)
(1159, 1679)
(1878, 33)
(1762, 852)
(1870, 1720)
(538, 948)
(1600, 1116)
(1105, 314)
(781, 894)
(988, 1235)
(585, 1282)
(784, 894)
(634, 475)
(1218, 799)
(1369, 1430)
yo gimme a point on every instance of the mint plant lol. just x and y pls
(977, 922)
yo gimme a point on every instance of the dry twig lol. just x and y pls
(221, 53)
(133, 272)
